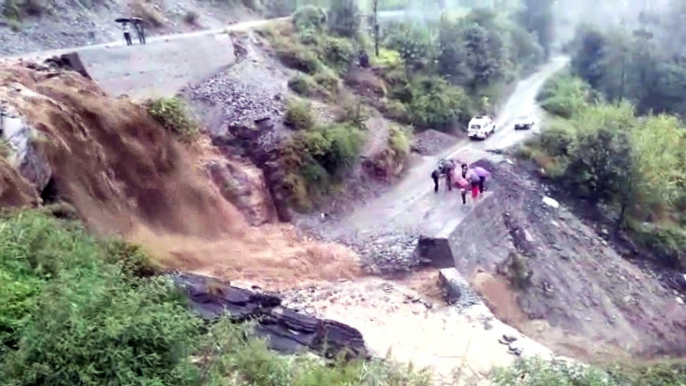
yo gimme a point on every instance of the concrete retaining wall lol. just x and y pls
(160, 68)
(468, 241)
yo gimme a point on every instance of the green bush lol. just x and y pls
(327, 80)
(399, 141)
(316, 158)
(564, 95)
(345, 18)
(334, 147)
(540, 372)
(299, 58)
(302, 84)
(71, 315)
(339, 52)
(173, 114)
(557, 139)
(299, 115)
(668, 243)
(309, 18)
(437, 105)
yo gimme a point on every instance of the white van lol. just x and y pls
(480, 126)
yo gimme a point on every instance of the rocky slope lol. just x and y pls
(45, 25)
(544, 271)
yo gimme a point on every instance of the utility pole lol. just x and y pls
(375, 5)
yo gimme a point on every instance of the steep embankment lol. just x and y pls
(544, 271)
(123, 173)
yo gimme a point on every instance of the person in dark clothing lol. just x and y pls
(436, 175)
(127, 33)
(138, 24)
(363, 59)
(447, 167)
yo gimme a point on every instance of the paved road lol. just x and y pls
(412, 204)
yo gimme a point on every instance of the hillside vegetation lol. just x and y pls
(433, 76)
(81, 310)
(616, 136)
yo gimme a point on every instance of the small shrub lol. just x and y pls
(327, 80)
(355, 114)
(399, 141)
(345, 18)
(395, 110)
(191, 17)
(667, 243)
(302, 84)
(437, 105)
(309, 18)
(339, 52)
(299, 58)
(387, 60)
(334, 147)
(299, 115)
(557, 138)
(174, 116)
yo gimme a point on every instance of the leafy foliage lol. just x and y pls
(606, 153)
(74, 313)
(641, 65)
(564, 95)
(540, 372)
(434, 104)
(299, 115)
(173, 114)
(78, 319)
(344, 18)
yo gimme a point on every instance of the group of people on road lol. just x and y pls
(137, 25)
(473, 178)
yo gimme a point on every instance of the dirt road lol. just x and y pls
(412, 204)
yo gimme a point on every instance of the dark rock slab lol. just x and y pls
(286, 330)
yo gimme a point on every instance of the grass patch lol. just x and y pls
(539, 372)
(299, 115)
(174, 116)
(302, 84)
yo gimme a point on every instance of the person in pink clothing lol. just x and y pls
(472, 178)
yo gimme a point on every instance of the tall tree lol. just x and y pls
(537, 17)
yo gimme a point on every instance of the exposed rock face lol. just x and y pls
(286, 330)
(247, 140)
(244, 186)
(23, 141)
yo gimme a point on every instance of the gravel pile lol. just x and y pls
(432, 142)
(240, 100)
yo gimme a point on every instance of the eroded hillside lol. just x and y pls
(123, 173)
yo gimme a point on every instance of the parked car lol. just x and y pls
(480, 127)
(524, 122)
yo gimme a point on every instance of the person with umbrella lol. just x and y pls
(483, 175)
(473, 178)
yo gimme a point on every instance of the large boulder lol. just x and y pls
(285, 330)
(23, 141)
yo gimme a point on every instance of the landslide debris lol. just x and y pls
(124, 174)
(543, 270)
